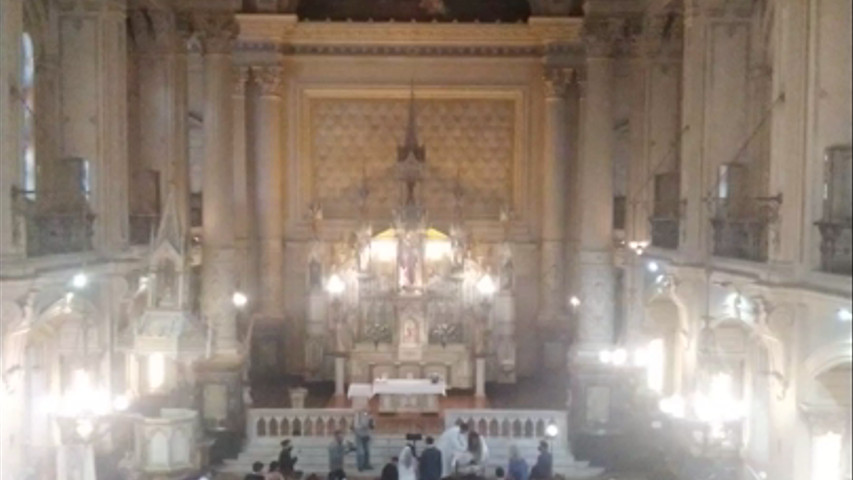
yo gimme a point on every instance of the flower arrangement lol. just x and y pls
(378, 332)
(445, 333)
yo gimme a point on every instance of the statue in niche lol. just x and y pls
(166, 283)
(363, 238)
(507, 269)
(409, 261)
(480, 335)
(315, 274)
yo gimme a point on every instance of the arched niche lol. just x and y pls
(665, 322)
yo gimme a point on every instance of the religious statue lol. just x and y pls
(315, 274)
(506, 268)
(165, 284)
(363, 238)
(409, 261)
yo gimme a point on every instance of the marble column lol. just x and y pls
(163, 110)
(244, 205)
(218, 283)
(595, 190)
(480, 366)
(265, 108)
(11, 123)
(555, 182)
(340, 375)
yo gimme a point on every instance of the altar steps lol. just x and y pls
(313, 457)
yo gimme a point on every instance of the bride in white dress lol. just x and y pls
(408, 464)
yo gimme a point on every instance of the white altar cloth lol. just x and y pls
(409, 387)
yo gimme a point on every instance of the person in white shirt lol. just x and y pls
(407, 466)
(453, 442)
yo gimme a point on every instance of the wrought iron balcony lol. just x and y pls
(835, 246)
(665, 232)
(742, 228)
(56, 233)
(52, 226)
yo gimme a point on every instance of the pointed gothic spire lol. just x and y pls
(411, 145)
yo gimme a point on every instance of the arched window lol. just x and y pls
(28, 143)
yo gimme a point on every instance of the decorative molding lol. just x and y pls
(269, 78)
(286, 29)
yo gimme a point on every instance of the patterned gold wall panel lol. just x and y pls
(473, 140)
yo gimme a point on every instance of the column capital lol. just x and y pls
(557, 80)
(240, 76)
(269, 79)
(216, 31)
(600, 36)
(157, 31)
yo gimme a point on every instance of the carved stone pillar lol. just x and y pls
(163, 104)
(244, 184)
(216, 32)
(265, 108)
(595, 190)
(554, 177)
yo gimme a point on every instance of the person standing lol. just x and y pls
(452, 442)
(286, 460)
(544, 468)
(518, 468)
(338, 449)
(407, 467)
(430, 464)
(362, 427)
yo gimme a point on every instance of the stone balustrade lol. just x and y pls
(515, 425)
(168, 443)
(276, 424)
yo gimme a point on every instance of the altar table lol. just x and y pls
(409, 395)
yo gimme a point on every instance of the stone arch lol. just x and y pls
(822, 364)
(666, 320)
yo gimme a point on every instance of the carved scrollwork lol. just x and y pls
(215, 31)
(269, 78)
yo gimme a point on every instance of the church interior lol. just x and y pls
(619, 227)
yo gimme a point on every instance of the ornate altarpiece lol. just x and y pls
(411, 301)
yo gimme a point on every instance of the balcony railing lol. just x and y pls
(744, 239)
(835, 246)
(57, 233)
(665, 232)
(741, 228)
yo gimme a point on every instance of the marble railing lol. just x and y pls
(515, 425)
(274, 423)
(168, 443)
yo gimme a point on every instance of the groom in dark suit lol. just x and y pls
(430, 464)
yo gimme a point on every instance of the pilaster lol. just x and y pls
(554, 169)
(244, 183)
(93, 39)
(11, 115)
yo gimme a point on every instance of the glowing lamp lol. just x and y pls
(653, 267)
(79, 280)
(85, 428)
(551, 431)
(845, 315)
(605, 357)
(619, 357)
(335, 285)
(575, 302)
(486, 286)
(240, 299)
(121, 403)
